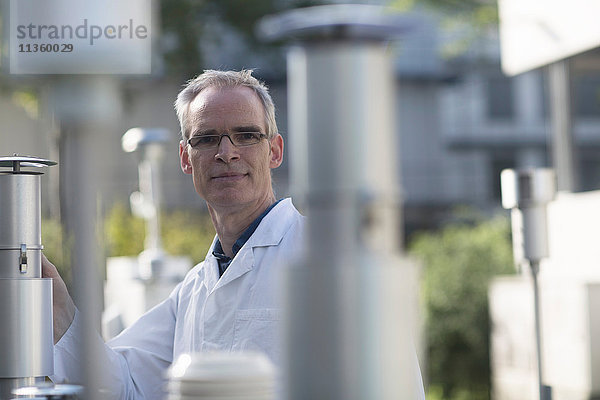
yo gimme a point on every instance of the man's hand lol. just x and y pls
(63, 306)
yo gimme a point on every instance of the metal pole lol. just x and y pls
(527, 193)
(146, 203)
(81, 202)
(544, 390)
(535, 267)
(86, 110)
(149, 173)
(347, 325)
(563, 148)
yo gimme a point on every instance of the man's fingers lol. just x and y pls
(48, 269)
(63, 306)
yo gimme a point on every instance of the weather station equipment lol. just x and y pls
(26, 353)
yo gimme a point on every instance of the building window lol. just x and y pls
(500, 104)
(587, 95)
(590, 171)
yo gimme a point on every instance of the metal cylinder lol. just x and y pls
(341, 114)
(347, 310)
(527, 193)
(26, 337)
(20, 224)
(26, 332)
(353, 274)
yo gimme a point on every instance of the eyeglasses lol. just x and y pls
(238, 139)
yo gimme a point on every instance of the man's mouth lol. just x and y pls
(229, 177)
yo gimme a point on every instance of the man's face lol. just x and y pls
(229, 176)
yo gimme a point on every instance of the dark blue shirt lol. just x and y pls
(218, 252)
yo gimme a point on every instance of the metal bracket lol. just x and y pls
(23, 259)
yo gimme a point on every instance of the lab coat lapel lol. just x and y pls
(268, 233)
(241, 264)
(211, 272)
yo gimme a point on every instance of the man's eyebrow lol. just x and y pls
(204, 132)
(249, 128)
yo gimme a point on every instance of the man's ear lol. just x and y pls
(184, 158)
(276, 151)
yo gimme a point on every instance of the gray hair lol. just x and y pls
(210, 78)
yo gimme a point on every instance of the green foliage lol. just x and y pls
(124, 233)
(480, 13)
(182, 232)
(465, 21)
(460, 261)
(186, 24)
(187, 233)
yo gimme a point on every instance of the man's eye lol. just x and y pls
(247, 136)
(206, 139)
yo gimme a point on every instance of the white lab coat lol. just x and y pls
(237, 312)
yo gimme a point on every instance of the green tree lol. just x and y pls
(124, 233)
(187, 233)
(460, 261)
(184, 23)
(182, 232)
(480, 13)
(465, 21)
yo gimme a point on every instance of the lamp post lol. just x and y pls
(527, 193)
(146, 203)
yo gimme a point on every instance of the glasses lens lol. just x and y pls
(246, 138)
(204, 141)
(238, 139)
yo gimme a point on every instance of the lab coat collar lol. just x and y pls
(210, 268)
(242, 263)
(273, 226)
(269, 233)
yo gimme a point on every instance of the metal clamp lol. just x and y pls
(23, 259)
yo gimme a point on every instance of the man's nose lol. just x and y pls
(226, 150)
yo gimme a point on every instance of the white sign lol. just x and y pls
(80, 37)
(534, 33)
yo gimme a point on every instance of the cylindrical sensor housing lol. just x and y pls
(527, 192)
(26, 331)
(26, 353)
(20, 235)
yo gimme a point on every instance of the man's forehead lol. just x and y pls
(223, 97)
(238, 102)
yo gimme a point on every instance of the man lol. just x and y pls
(228, 302)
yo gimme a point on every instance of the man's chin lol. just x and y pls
(227, 200)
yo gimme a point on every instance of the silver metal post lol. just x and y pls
(527, 193)
(347, 326)
(563, 147)
(545, 391)
(87, 110)
(148, 143)
(535, 267)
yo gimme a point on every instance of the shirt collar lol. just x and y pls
(239, 243)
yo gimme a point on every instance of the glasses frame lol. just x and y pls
(260, 134)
